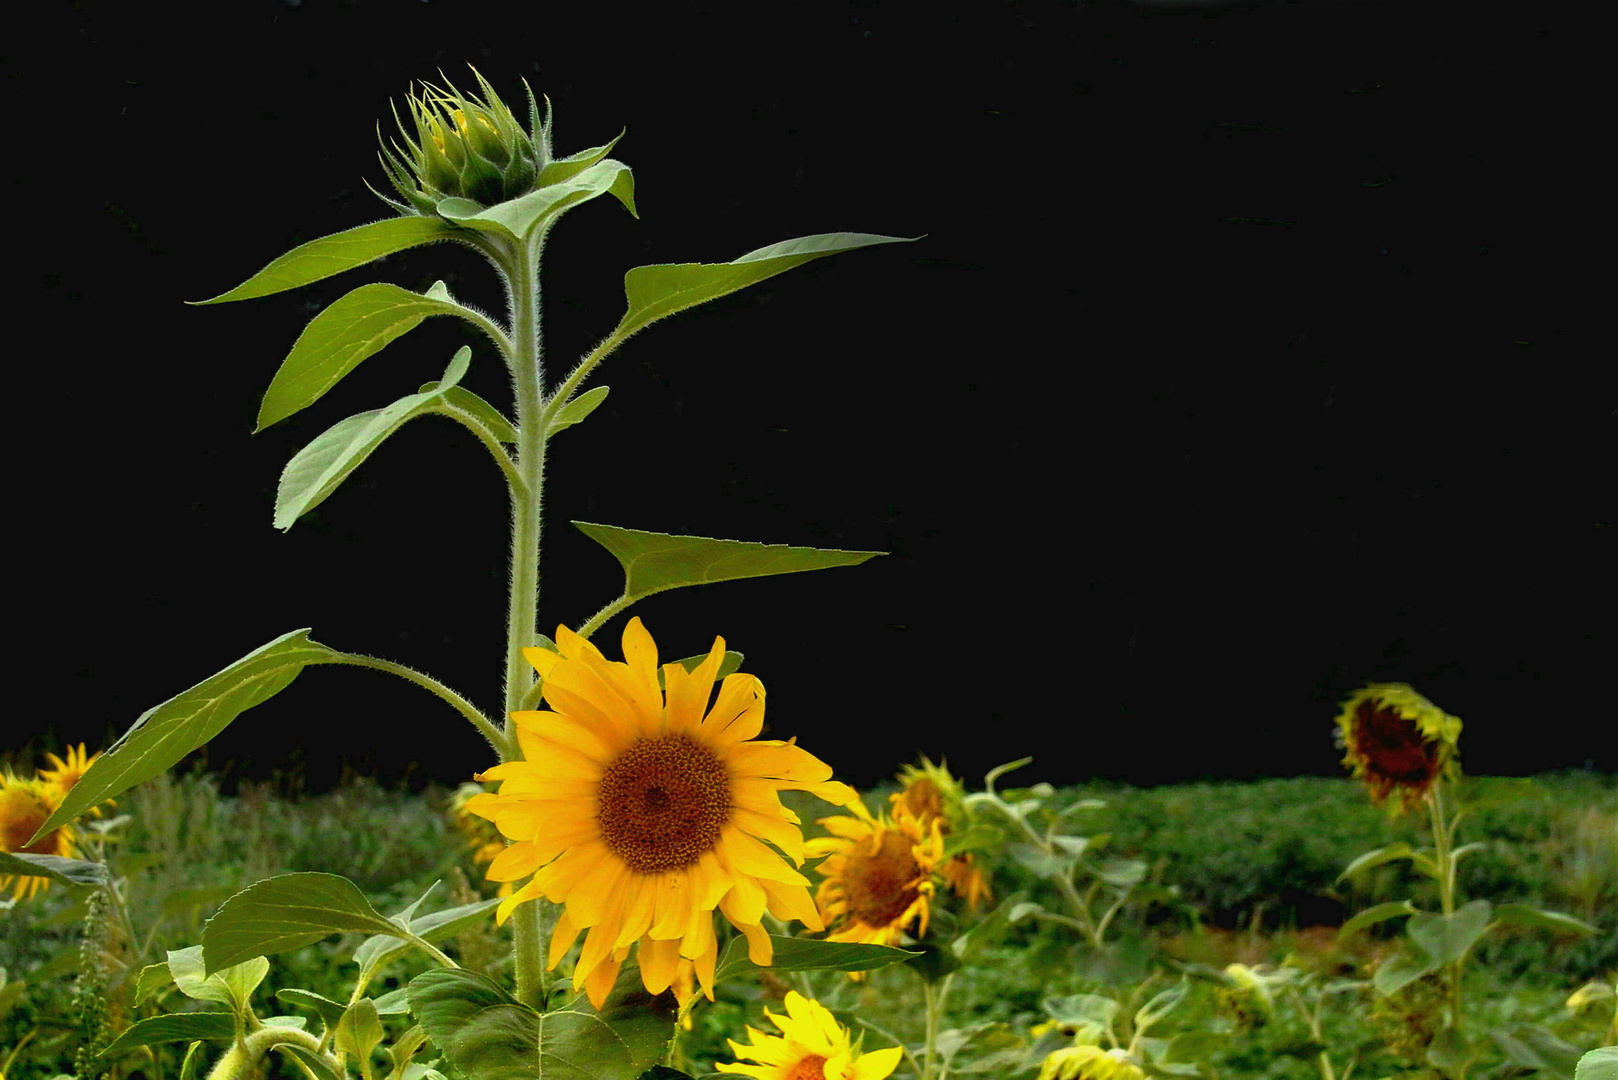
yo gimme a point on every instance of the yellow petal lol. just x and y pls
(744, 727)
(786, 837)
(673, 904)
(750, 856)
(566, 731)
(517, 861)
(599, 983)
(877, 1064)
(777, 760)
(736, 693)
(659, 960)
(541, 658)
(528, 892)
(792, 902)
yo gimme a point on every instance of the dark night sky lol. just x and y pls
(1160, 486)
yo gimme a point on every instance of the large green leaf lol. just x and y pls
(1378, 913)
(489, 1035)
(1598, 1064)
(315, 471)
(654, 562)
(1540, 919)
(1398, 850)
(353, 327)
(804, 954)
(1403, 968)
(175, 1027)
(517, 219)
(1447, 938)
(655, 292)
(287, 912)
(52, 867)
(166, 733)
(335, 253)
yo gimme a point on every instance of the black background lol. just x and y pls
(1160, 487)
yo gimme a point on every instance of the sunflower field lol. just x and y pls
(640, 886)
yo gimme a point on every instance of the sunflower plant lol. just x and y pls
(1406, 751)
(642, 847)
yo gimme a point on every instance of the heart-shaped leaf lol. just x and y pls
(288, 912)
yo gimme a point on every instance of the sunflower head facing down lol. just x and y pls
(642, 808)
(877, 874)
(24, 807)
(1398, 743)
(930, 793)
(812, 1046)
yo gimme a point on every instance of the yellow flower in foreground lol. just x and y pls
(811, 1046)
(642, 809)
(1089, 1063)
(24, 807)
(931, 793)
(878, 874)
(1398, 742)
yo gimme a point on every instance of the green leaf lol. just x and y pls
(335, 253)
(315, 471)
(360, 1029)
(1399, 850)
(564, 169)
(1540, 919)
(517, 220)
(1081, 1008)
(1598, 1064)
(1403, 968)
(1378, 913)
(316, 1063)
(729, 664)
(655, 292)
(977, 838)
(970, 945)
(52, 867)
(803, 954)
(429, 928)
(353, 327)
(577, 409)
(287, 912)
(460, 401)
(663, 1072)
(655, 562)
(192, 1063)
(1535, 1046)
(1447, 938)
(329, 1011)
(934, 961)
(233, 985)
(1450, 1051)
(174, 1027)
(489, 1035)
(166, 733)
(1121, 873)
(152, 979)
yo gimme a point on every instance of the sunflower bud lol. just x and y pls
(463, 147)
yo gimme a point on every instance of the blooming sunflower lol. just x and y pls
(64, 774)
(931, 793)
(641, 809)
(1398, 742)
(24, 807)
(878, 874)
(812, 1046)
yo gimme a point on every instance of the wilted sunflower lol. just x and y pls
(1398, 742)
(812, 1046)
(642, 809)
(878, 874)
(1089, 1063)
(24, 807)
(931, 793)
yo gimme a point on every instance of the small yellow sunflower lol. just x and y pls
(878, 874)
(24, 807)
(642, 809)
(480, 835)
(1397, 742)
(64, 774)
(1089, 1063)
(812, 1046)
(931, 793)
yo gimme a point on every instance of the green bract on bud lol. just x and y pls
(464, 147)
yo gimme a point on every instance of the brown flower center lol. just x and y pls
(923, 799)
(810, 1068)
(880, 886)
(1393, 746)
(20, 814)
(662, 803)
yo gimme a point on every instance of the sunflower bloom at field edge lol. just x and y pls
(1398, 743)
(25, 805)
(811, 1046)
(931, 792)
(877, 875)
(642, 809)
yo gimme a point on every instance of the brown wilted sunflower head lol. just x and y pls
(1397, 742)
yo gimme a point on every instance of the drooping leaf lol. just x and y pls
(287, 912)
(489, 1035)
(655, 292)
(316, 471)
(166, 733)
(802, 954)
(335, 253)
(52, 867)
(1540, 919)
(1448, 937)
(655, 562)
(174, 1027)
(1375, 914)
(353, 327)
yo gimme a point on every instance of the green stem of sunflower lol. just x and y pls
(526, 357)
(1443, 857)
(930, 1057)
